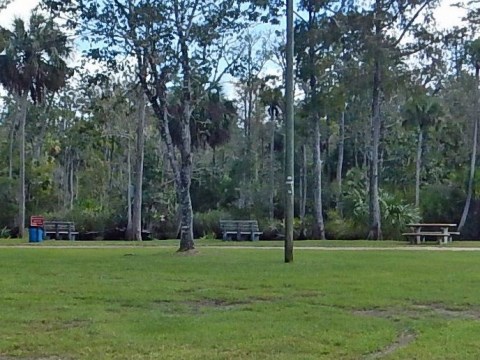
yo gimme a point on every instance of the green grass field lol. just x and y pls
(152, 303)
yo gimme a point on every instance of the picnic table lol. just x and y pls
(443, 232)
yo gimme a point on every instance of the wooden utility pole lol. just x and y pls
(289, 131)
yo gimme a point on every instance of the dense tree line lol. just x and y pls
(386, 118)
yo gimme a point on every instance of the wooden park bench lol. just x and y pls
(55, 229)
(238, 228)
(442, 232)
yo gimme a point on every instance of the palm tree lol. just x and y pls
(421, 111)
(32, 62)
(271, 97)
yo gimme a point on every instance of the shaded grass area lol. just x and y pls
(209, 242)
(151, 303)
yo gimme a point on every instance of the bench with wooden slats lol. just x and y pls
(57, 229)
(239, 229)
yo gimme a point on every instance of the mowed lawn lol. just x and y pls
(151, 303)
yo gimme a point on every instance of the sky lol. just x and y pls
(445, 15)
(18, 8)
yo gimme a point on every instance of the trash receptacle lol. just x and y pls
(32, 234)
(36, 231)
(35, 234)
(41, 234)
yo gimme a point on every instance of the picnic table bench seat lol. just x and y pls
(58, 229)
(239, 229)
(442, 232)
(430, 233)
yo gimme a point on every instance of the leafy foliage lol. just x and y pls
(396, 213)
(33, 58)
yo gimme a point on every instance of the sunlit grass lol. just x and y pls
(152, 303)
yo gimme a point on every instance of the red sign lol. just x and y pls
(36, 221)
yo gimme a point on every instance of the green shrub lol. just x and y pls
(441, 203)
(272, 229)
(88, 219)
(395, 212)
(4, 233)
(341, 228)
(204, 224)
(9, 207)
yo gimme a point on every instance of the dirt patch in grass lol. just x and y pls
(422, 310)
(198, 306)
(401, 341)
(390, 313)
(45, 325)
(451, 313)
(191, 252)
(217, 303)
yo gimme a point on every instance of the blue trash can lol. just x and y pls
(35, 234)
(32, 234)
(41, 234)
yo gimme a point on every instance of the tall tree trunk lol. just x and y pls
(139, 158)
(303, 189)
(158, 100)
(355, 150)
(418, 166)
(214, 159)
(374, 201)
(341, 149)
(272, 166)
(319, 229)
(182, 172)
(71, 181)
(65, 178)
(129, 233)
(10, 146)
(23, 104)
(473, 160)
(248, 170)
(186, 238)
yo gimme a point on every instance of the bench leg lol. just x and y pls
(446, 235)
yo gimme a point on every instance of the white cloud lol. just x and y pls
(18, 8)
(448, 16)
